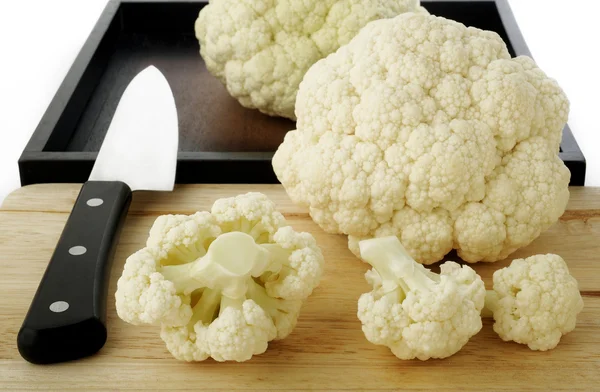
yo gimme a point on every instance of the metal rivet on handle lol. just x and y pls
(94, 202)
(59, 306)
(77, 250)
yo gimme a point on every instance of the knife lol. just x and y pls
(67, 316)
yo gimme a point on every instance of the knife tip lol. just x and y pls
(151, 69)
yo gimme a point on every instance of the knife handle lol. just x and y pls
(67, 316)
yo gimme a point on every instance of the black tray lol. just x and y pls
(220, 141)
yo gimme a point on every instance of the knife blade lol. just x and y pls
(67, 316)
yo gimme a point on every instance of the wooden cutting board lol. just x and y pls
(327, 350)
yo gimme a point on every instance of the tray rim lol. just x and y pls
(33, 156)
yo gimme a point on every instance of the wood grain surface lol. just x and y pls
(327, 350)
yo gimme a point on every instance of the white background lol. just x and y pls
(39, 39)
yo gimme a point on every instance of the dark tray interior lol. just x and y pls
(220, 141)
(210, 119)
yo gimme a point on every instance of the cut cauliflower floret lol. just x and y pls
(417, 116)
(181, 343)
(145, 297)
(535, 301)
(382, 317)
(413, 311)
(183, 236)
(253, 214)
(261, 49)
(241, 330)
(301, 265)
(221, 284)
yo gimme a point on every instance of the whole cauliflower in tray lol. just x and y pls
(428, 130)
(261, 49)
(223, 283)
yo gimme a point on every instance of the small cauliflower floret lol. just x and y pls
(426, 129)
(535, 301)
(297, 267)
(145, 297)
(261, 49)
(413, 311)
(223, 328)
(221, 284)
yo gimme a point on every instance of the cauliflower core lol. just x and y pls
(221, 284)
(535, 301)
(261, 49)
(413, 311)
(425, 129)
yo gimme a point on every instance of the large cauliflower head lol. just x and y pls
(261, 49)
(428, 130)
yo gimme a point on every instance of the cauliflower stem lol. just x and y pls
(398, 272)
(211, 303)
(220, 267)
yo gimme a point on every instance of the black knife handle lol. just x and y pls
(67, 316)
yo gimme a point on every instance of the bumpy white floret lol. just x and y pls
(145, 297)
(261, 49)
(425, 129)
(535, 301)
(413, 311)
(241, 330)
(221, 284)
